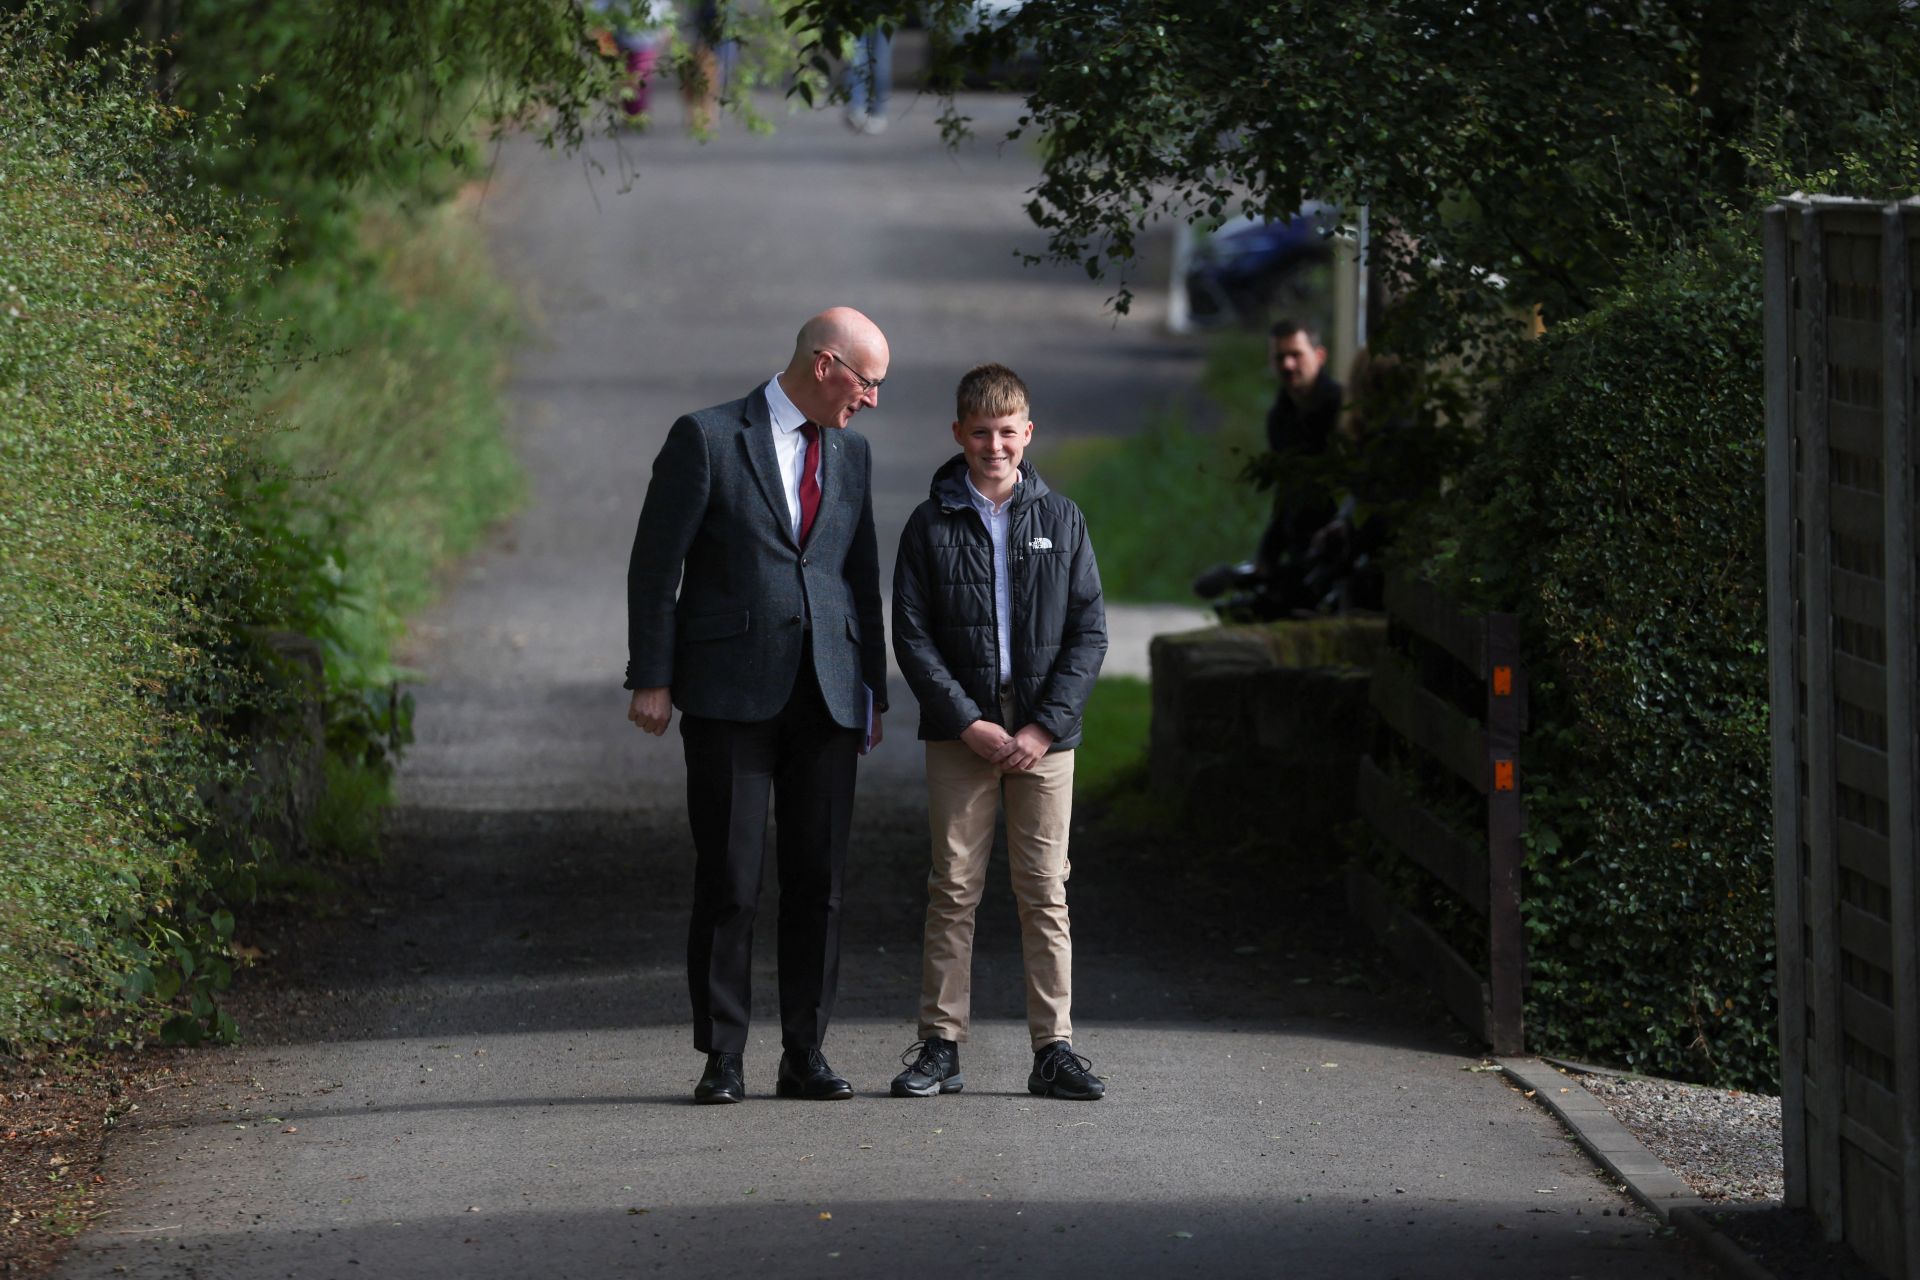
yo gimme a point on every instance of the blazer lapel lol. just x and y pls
(756, 435)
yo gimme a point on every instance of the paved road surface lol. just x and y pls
(485, 1072)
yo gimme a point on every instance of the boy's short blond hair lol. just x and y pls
(990, 391)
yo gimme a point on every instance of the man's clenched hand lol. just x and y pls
(651, 709)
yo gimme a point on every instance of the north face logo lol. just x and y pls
(1040, 544)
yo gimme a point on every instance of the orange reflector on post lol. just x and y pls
(1503, 682)
(1503, 775)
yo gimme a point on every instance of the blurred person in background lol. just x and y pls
(1300, 428)
(637, 31)
(869, 81)
(708, 67)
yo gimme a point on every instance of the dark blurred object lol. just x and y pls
(1318, 582)
(1235, 273)
(999, 56)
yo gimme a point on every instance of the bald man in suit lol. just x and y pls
(760, 514)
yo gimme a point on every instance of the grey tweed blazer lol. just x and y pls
(715, 527)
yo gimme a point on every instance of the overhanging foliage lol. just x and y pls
(1533, 142)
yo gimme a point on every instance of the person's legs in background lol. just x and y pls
(870, 82)
(641, 57)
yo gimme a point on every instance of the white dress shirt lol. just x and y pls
(998, 521)
(789, 449)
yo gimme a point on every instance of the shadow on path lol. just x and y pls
(575, 920)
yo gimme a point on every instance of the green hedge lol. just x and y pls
(1618, 508)
(129, 570)
(174, 491)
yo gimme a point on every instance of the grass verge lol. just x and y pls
(1113, 745)
(1110, 766)
(396, 429)
(1169, 502)
(394, 433)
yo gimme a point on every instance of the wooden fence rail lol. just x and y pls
(1482, 868)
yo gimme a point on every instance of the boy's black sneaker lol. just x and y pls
(935, 1070)
(1059, 1072)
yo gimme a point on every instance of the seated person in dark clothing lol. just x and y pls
(1300, 430)
(1348, 466)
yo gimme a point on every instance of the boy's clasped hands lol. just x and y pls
(1010, 751)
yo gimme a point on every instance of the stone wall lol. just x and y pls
(1258, 727)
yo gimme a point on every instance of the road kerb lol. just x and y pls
(1616, 1150)
(1605, 1138)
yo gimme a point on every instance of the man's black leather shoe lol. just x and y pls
(935, 1070)
(805, 1074)
(1059, 1072)
(722, 1081)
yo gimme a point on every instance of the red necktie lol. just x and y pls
(809, 479)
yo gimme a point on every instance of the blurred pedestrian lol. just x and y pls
(637, 32)
(1300, 427)
(708, 67)
(870, 81)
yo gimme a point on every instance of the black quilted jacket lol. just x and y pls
(943, 610)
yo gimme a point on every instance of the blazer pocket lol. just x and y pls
(715, 626)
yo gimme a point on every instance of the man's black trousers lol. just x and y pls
(807, 761)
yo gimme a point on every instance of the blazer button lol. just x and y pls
(795, 619)
(804, 561)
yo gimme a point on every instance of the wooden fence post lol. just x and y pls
(1480, 750)
(1783, 668)
(1826, 1064)
(1506, 945)
(1844, 668)
(1899, 299)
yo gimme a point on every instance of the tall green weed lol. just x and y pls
(164, 550)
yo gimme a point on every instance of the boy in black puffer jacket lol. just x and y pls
(999, 629)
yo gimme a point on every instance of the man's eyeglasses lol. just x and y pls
(866, 383)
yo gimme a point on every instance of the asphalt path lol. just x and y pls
(484, 1069)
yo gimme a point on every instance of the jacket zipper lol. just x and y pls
(993, 594)
(1013, 590)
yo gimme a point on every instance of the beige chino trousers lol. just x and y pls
(963, 798)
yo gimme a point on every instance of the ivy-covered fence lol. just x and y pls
(1618, 509)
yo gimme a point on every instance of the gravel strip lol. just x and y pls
(1723, 1143)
